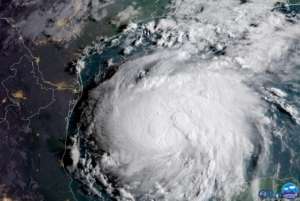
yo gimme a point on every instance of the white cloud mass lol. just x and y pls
(180, 124)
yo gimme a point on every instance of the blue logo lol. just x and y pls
(289, 191)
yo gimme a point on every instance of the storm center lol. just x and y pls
(176, 132)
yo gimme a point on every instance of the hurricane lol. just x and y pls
(189, 112)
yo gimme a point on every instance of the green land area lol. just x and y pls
(275, 184)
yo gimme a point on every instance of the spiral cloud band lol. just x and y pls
(185, 121)
(175, 131)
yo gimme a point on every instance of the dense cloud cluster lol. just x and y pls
(186, 121)
(58, 21)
